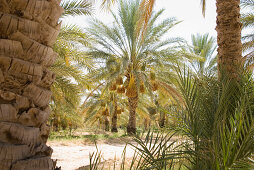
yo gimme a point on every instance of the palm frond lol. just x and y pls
(247, 3)
(76, 7)
(203, 5)
(218, 121)
(156, 151)
(247, 19)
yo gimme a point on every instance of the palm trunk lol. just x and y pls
(114, 120)
(229, 38)
(162, 119)
(106, 121)
(28, 29)
(146, 124)
(133, 103)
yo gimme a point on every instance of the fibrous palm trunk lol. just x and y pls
(133, 103)
(114, 120)
(28, 29)
(229, 38)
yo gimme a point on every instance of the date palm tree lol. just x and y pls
(228, 34)
(70, 80)
(229, 43)
(204, 47)
(28, 32)
(102, 105)
(128, 48)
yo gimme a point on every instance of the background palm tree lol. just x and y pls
(27, 34)
(204, 47)
(228, 34)
(128, 49)
(70, 82)
(102, 105)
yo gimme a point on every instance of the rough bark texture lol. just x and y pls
(229, 37)
(133, 103)
(28, 29)
(114, 119)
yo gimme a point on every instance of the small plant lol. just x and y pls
(95, 160)
(217, 120)
(156, 151)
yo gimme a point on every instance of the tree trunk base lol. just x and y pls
(131, 130)
(162, 123)
(114, 130)
(107, 129)
(42, 163)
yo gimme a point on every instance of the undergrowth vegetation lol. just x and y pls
(86, 135)
(215, 128)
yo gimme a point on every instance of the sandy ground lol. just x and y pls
(72, 156)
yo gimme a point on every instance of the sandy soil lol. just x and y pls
(73, 155)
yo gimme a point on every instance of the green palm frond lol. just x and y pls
(76, 7)
(156, 151)
(204, 48)
(93, 107)
(120, 41)
(247, 3)
(95, 160)
(218, 120)
(247, 20)
(71, 72)
(64, 89)
(71, 34)
(72, 62)
(71, 44)
(106, 4)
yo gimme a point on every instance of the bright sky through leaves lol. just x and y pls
(188, 11)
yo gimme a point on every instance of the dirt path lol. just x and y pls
(72, 156)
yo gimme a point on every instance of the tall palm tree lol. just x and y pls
(27, 34)
(228, 37)
(28, 31)
(70, 80)
(128, 48)
(204, 47)
(228, 34)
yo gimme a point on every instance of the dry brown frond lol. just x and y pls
(146, 9)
